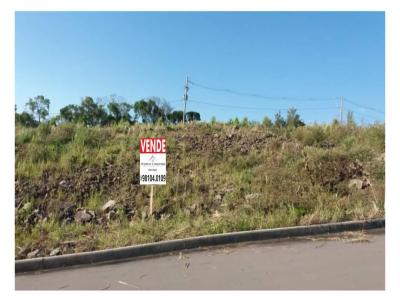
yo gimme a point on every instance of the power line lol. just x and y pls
(363, 106)
(366, 115)
(258, 108)
(281, 98)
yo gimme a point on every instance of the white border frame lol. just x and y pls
(392, 76)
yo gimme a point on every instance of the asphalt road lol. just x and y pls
(346, 261)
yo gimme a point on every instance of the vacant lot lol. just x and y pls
(220, 178)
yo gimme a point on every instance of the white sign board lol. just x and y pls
(153, 161)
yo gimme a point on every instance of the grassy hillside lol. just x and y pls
(220, 178)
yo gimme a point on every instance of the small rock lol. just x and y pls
(359, 183)
(33, 254)
(218, 197)
(252, 196)
(27, 206)
(111, 215)
(216, 214)
(82, 216)
(165, 216)
(144, 214)
(22, 253)
(131, 214)
(109, 206)
(366, 183)
(193, 208)
(67, 212)
(63, 183)
(356, 183)
(55, 252)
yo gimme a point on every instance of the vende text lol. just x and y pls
(152, 145)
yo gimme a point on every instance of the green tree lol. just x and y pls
(279, 120)
(245, 122)
(39, 106)
(92, 113)
(149, 111)
(119, 111)
(70, 113)
(54, 121)
(25, 119)
(350, 119)
(293, 119)
(192, 116)
(175, 117)
(266, 122)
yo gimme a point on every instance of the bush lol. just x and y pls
(88, 137)
(23, 135)
(374, 136)
(41, 153)
(62, 134)
(43, 130)
(311, 135)
(267, 123)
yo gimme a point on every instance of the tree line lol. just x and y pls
(92, 113)
(149, 111)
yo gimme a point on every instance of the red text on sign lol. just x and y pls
(152, 145)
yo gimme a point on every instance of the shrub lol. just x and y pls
(23, 135)
(311, 135)
(266, 122)
(62, 134)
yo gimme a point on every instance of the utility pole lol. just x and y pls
(341, 110)
(185, 97)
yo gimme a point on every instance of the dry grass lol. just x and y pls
(220, 178)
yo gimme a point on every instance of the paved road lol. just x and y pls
(347, 261)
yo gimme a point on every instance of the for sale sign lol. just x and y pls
(153, 161)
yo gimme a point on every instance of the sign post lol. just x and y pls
(153, 164)
(151, 200)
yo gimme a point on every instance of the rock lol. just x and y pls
(186, 211)
(355, 183)
(22, 253)
(100, 220)
(193, 208)
(63, 183)
(91, 213)
(144, 214)
(82, 216)
(216, 214)
(218, 197)
(359, 183)
(27, 206)
(67, 212)
(366, 183)
(32, 218)
(162, 210)
(110, 205)
(55, 252)
(33, 254)
(111, 215)
(252, 196)
(165, 216)
(131, 214)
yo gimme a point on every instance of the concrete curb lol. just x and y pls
(127, 253)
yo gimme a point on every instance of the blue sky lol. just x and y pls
(67, 56)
